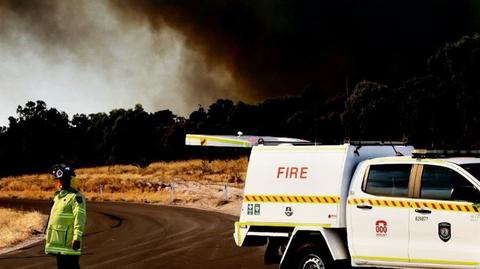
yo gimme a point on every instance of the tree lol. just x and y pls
(457, 65)
(372, 112)
(218, 116)
(428, 113)
(37, 138)
(197, 120)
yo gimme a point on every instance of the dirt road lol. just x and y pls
(121, 235)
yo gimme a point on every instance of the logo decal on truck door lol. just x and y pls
(381, 228)
(445, 231)
(288, 211)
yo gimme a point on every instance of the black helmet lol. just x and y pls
(61, 171)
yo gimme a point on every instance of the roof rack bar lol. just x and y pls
(376, 143)
(275, 143)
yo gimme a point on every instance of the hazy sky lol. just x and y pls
(82, 57)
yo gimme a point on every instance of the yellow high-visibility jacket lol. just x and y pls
(67, 222)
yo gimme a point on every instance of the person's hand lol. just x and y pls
(76, 245)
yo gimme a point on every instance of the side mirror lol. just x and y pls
(466, 193)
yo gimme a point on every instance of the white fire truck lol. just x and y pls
(364, 205)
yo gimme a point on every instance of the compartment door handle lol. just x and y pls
(423, 211)
(364, 206)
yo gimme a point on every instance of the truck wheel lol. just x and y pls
(274, 250)
(314, 258)
(311, 261)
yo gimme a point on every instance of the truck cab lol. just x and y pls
(415, 213)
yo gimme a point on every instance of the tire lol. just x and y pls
(314, 258)
(274, 251)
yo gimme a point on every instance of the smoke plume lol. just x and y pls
(275, 47)
(89, 56)
(82, 57)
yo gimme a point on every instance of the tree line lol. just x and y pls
(439, 109)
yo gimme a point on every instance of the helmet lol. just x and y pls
(61, 171)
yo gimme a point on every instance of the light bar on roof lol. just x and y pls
(445, 153)
(242, 141)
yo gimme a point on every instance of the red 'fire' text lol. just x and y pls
(292, 172)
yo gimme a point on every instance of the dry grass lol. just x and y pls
(192, 180)
(196, 183)
(17, 226)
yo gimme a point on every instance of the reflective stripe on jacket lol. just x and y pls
(67, 222)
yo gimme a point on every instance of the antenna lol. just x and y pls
(397, 153)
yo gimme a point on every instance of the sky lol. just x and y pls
(93, 56)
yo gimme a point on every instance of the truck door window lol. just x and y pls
(388, 180)
(438, 182)
(473, 169)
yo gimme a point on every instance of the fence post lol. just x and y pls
(101, 190)
(172, 194)
(225, 192)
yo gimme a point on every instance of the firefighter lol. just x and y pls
(67, 220)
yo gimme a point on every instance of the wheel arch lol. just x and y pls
(333, 239)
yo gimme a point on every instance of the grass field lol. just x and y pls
(192, 181)
(16, 226)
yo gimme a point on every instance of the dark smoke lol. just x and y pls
(277, 47)
(84, 57)
(89, 56)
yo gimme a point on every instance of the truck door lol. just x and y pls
(443, 230)
(379, 216)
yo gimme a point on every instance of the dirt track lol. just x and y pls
(120, 235)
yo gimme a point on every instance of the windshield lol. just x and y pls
(472, 168)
